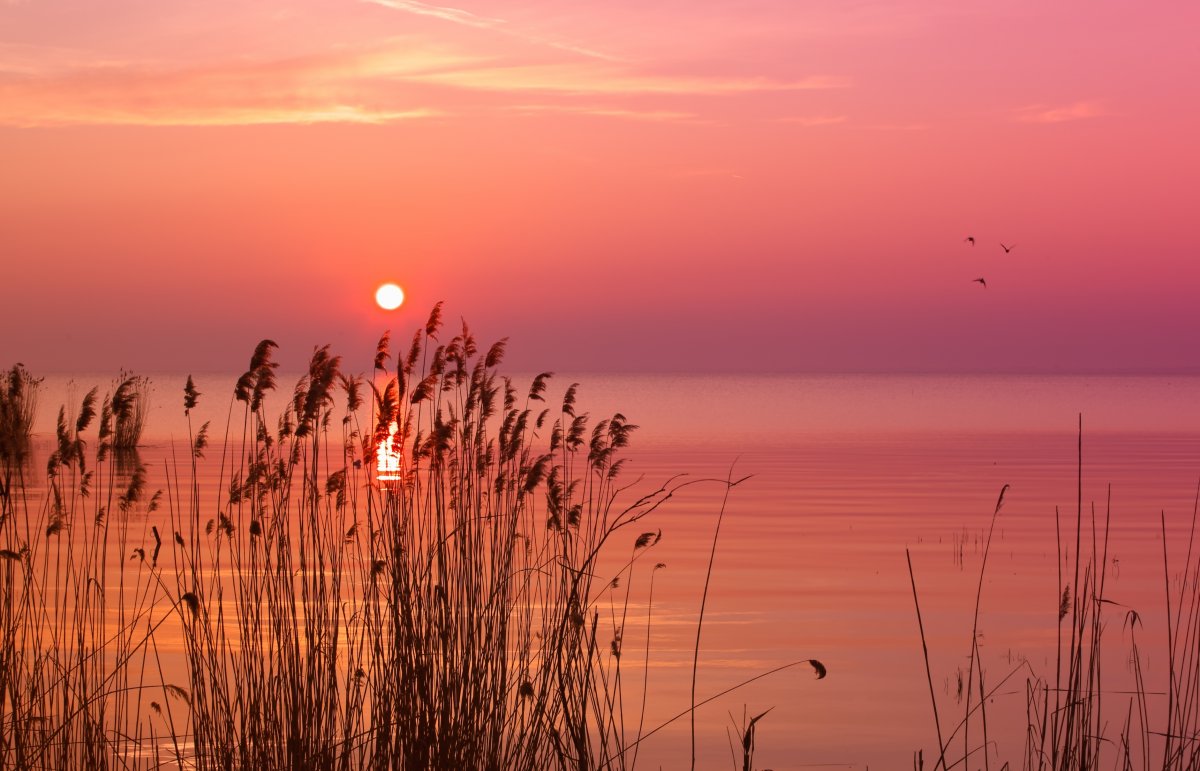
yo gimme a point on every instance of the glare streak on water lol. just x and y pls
(848, 472)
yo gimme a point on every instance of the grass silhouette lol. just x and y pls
(1070, 722)
(445, 614)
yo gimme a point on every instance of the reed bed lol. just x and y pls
(1074, 720)
(18, 405)
(73, 636)
(445, 613)
(130, 403)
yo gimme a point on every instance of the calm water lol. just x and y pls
(848, 472)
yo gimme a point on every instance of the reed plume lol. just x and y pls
(446, 615)
(18, 408)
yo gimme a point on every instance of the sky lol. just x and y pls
(618, 186)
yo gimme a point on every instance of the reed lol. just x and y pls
(1074, 722)
(18, 406)
(73, 628)
(130, 402)
(444, 614)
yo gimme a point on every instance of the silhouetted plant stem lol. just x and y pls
(941, 763)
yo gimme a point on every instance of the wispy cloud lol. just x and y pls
(588, 78)
(895, 126)
(319, 89)
(116, 114)
(225, 116)
(455, 15)
(1038, 113)
(468, 19)
(808, 121)
(26, 60)
(600, 111)
(399, 79)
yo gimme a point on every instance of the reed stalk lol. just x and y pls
(445, 614)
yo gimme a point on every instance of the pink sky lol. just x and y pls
(708, 186)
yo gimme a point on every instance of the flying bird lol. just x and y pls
(1008, 249)
(970, 240)
(980, 281)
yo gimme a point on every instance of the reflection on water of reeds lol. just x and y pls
(466, 612)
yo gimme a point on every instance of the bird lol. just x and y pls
(1008, 249)
(980, 281)
(970, 240)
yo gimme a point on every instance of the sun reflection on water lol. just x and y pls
(388, 460)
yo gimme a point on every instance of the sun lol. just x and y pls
(389, 296)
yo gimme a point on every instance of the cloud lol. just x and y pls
(455, 15)
(1044, 114)
(22, 59)
(896, 126)
(396, 80)
(468, 19)
(808, 121)
(588, 78)
(320, 89)
(600, 111)
(230, 116)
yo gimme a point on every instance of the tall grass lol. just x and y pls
(18, 406)
(1074, 722)
(445, 617)
(130, 403)
(463, 610)
(72, 634)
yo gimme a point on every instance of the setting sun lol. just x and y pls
(389, 296)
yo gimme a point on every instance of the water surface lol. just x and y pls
(846, 473)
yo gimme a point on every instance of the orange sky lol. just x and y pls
(702, 186)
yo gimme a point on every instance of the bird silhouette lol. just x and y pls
(1008, 249)
(980, 281)
(970, 240)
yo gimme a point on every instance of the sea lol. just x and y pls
(857, 538)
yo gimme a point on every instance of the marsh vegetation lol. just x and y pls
(1074, 718)
(434, 566)
(429, 567)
